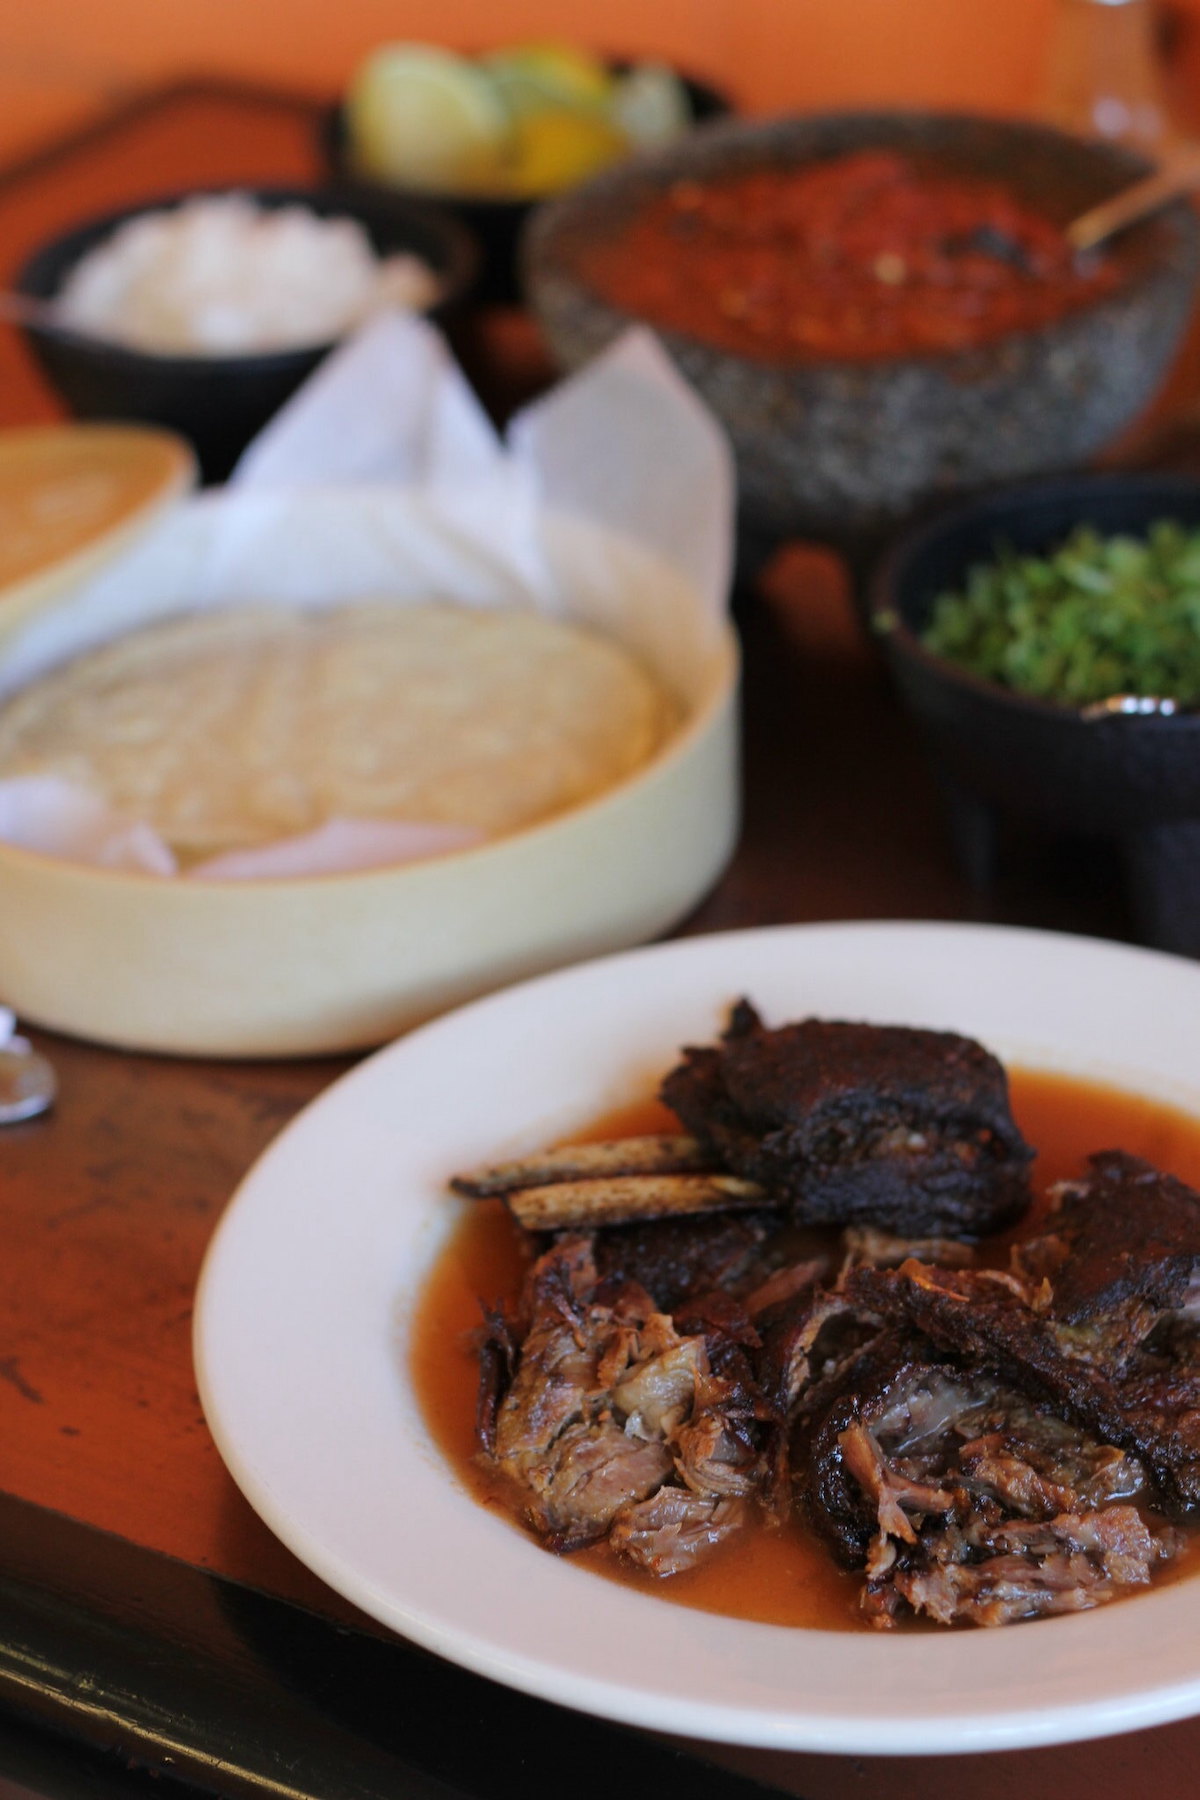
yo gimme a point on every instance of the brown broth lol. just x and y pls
(779, 1577)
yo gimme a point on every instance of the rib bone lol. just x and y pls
(621, 1199)
(580, 1162)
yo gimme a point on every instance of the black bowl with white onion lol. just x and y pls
(218, 399)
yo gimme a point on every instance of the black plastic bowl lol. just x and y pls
(1132, 778)
(218, 402)
(496, 223)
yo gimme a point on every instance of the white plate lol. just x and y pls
(302, 1316)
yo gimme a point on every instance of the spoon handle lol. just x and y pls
(23, 309)
(1180, 175)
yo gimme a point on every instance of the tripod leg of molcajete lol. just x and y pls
(974, 832)
(1162, 869)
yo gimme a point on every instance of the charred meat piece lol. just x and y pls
(607, 1406)
(892, 1390)
(677, 1257)
(1130, 1373)
(961, 1500)
(1126, 1235)
(903, 1129)
(987, 1320)
(807, 1341)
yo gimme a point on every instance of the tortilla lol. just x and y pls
(72, 496)
(227, 729)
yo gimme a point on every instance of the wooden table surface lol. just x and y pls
(120, 1532)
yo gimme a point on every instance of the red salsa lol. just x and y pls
(856, 259)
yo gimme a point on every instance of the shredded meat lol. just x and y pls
(672, 1531)
(610, 1407)
(886, 1249)
(1067, 1564)
(961, 1500)
(555, 1435)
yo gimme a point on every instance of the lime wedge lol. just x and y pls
(424, 117)
(556, 148)
(533, 76)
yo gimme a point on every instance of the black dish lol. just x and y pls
(1128, 777)
(218, 402)
(497, 224)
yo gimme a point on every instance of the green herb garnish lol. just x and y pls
(1096, 617)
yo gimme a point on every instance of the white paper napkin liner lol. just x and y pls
(383, 475)
(390, 404)
(624, 442)
(57, 818)
(676, 495)
(337, 846)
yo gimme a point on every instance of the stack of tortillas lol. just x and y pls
(74, 496)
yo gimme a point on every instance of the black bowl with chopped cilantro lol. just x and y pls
(1100, 614)
(1047, 641)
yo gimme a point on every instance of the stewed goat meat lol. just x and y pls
(905, 1129)
(609, 1422)
(1123, 1240)
(963, 1501)
(982, 1443)
(673, 1258)
(1101, 1321)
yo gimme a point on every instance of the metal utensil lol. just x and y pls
(1131, 706)
(28, 1084)
(24, 309)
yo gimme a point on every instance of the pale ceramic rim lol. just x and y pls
(301, 1323)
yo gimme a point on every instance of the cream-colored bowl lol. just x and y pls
(336, 962)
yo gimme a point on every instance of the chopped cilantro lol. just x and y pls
(1098, 616)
